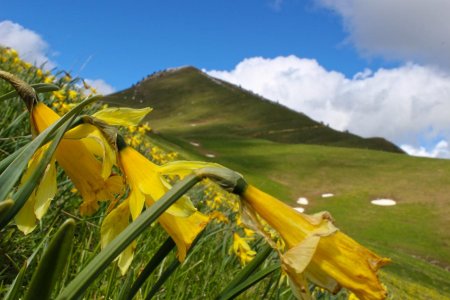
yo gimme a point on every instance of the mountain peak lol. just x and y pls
(191, 104)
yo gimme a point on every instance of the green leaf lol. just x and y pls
(157, 258)
(13, 292)
(10, 158)
(164, 276)
(16, 286)
(243, 286)
(125, 289)
(170, 269)
(38, 87)
(247, 271)
(5, 206)
(52, 264)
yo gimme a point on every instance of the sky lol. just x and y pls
(375, 68)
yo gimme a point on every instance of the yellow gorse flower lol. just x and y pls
(316, 249)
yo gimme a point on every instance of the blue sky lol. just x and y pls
(376, 68)
(125, 42)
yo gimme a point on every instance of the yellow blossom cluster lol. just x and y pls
(11, 62)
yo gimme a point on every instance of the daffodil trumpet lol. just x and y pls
(316, 249)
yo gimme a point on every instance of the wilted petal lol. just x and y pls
(122, 116)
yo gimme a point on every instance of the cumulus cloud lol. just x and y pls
(101, 86)
(441, 150)
(414, 30)
(29, 44)
(407, 105)
(33, 48)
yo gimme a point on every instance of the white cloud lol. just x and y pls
(407, 105)
(33, 48)
(414, 30)
(441, 150)
(101, 86)
(29, 44)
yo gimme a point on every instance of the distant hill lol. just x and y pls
(190, 104)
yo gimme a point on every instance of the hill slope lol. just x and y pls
(188, 97)
(207, 120)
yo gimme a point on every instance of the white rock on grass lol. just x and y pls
(384, 202)
(302, 201)
(299, 209)
(327, 195)
(210, 155)
(195, 144)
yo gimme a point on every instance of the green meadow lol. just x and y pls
(291, 156)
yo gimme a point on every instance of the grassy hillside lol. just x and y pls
(414, 233)
(274, 148)
(190, 104)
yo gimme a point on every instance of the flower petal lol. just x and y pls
(45, 191)
(96, 143)
(25, 219)
(122, 116)
(113, 224)
(183, 230)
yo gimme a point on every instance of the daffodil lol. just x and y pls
(77, 157)
(148, 184)
(242, 249)
(316, 249)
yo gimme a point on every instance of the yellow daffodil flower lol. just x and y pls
(77, 157)
(317, 249)
(147, 184)
(242, 249)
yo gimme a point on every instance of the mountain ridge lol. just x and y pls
(191, 97)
